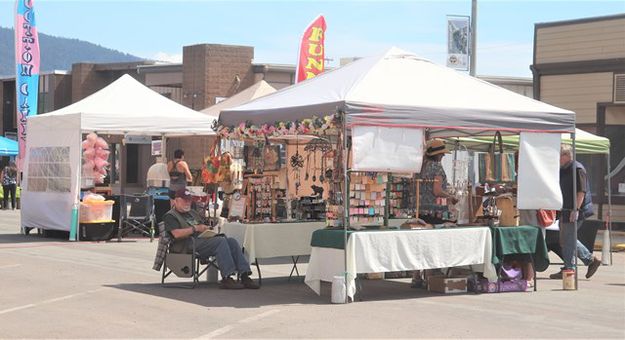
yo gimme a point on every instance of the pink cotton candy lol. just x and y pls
(100, 163)
(89, 164)
(101, 143)
(89, 153)
(101, 153)
(92, 137)
(86, 144)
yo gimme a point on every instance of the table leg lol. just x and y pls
(294, 259)
(260, 277)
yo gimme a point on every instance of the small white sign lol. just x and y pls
(157, 146)
(621, 188)
(133, 139)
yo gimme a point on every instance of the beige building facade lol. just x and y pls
(580, 65)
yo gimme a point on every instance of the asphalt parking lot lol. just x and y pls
(52, 288)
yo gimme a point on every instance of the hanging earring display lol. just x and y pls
(297, 163)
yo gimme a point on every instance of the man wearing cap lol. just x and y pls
(183, 223)
(433, 194)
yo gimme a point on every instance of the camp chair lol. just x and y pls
(137, 214)
(184, 265)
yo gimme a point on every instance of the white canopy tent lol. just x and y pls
(52, 172)
(399, 89)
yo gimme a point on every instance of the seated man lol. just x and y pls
(183, 223)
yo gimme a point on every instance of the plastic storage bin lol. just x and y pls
(96, 211)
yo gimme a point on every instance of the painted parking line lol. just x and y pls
(228, 328)
(6, 266)
(44, 302)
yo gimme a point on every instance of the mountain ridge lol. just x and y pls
(58, 53)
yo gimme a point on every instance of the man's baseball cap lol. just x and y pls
(182, 193)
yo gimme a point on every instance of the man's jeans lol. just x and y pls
(228, 253)
(567, 243)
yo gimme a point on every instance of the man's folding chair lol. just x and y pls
(185, 265)
(137, 215)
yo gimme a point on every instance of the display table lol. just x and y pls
(374, 251)
(265, 240)
(520, 240)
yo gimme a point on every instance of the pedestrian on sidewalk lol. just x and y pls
(569, 213)
(9, 185)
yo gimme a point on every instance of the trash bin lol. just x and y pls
(338, 289)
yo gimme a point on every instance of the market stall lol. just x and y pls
(59, 150)
(379, 111)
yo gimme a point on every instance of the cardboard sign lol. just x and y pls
(237, 207)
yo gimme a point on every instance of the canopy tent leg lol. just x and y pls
(574, 229)
(606, 247)
(345, 198)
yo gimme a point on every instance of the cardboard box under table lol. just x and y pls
(447, 285)
(373, 251)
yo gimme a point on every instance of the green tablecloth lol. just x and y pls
(520, 240)
(329, 238)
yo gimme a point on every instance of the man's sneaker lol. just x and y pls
(592, 267)
(229, 283)
(249, 283)
(556, 276)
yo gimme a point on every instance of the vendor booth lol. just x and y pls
(63, 146)
(375, 114)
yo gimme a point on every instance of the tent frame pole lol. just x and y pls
(609, 228)
(345, 196)
(574, 230)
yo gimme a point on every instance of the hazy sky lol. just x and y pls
(159, 29)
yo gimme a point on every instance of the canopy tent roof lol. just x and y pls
(257, 90)
(585, 142)
(128, 107)
(397, 88)
(8, 147)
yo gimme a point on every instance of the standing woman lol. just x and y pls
(9, 184)
(179, 172)
(433, 185)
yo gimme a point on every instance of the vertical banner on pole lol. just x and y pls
(310, 62)
(458, 42)
(27, 69)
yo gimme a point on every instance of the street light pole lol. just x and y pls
(473, 60)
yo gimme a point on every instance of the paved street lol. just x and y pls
(52, 288)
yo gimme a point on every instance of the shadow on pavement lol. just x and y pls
(274, 291)
(49, 236)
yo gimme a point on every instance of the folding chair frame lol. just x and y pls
(127, 223)
(194, 265)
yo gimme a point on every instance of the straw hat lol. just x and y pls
(435, 147)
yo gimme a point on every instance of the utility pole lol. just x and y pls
(473, 56)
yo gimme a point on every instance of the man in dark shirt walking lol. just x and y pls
(569, 214)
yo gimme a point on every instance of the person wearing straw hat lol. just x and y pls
(433, 194)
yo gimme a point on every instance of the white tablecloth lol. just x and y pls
(387, 251)
(266, 240)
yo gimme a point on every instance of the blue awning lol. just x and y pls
(8, 147)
